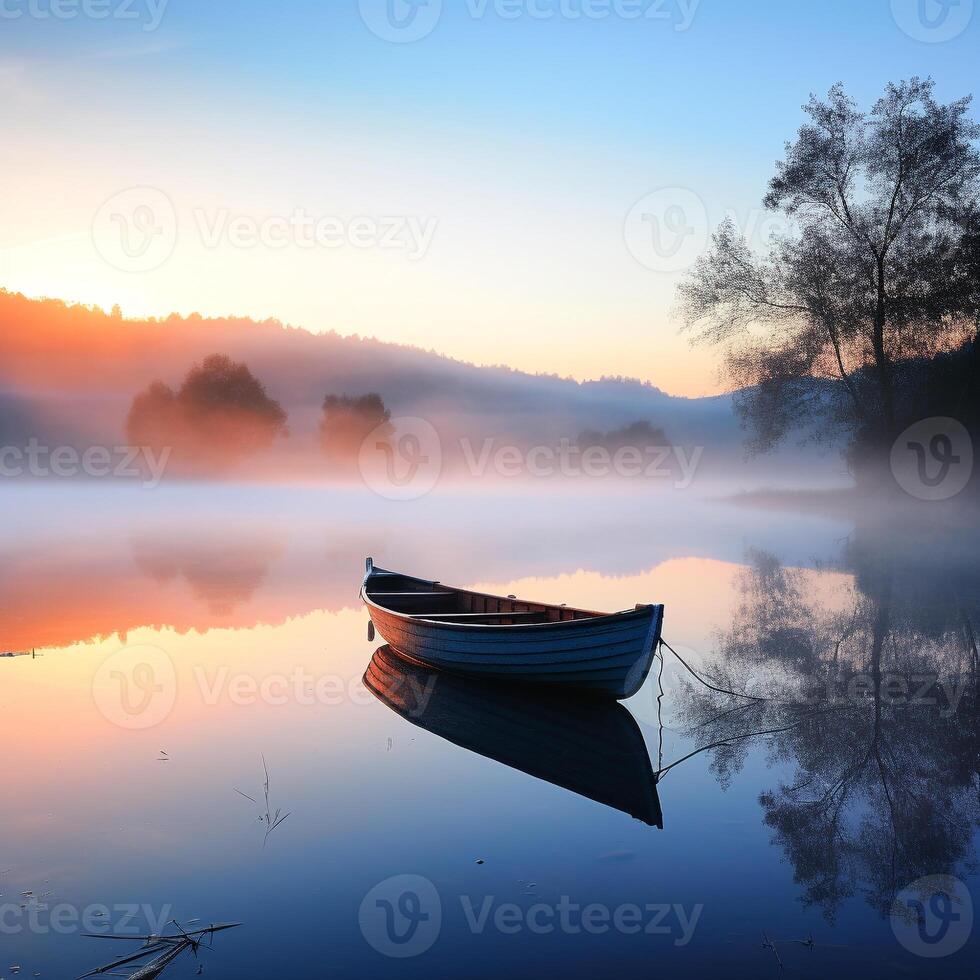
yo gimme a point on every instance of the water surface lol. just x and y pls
(229, 618)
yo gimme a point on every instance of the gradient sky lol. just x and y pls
(527, 139)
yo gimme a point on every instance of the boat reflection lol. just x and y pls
(595, 750)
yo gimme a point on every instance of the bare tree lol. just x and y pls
(834, 323)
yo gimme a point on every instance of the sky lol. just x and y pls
(521, 182)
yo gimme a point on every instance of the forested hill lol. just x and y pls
(69, 373)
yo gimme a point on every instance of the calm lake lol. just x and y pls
(198, 666)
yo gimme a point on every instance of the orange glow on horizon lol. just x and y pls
(664, 359)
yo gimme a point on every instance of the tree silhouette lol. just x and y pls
(347, 421)
(220, 415)
(637, 435)
(876, 278)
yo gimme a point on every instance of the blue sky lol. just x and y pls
(525, 131)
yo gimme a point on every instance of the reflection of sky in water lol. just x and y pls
(262, 584)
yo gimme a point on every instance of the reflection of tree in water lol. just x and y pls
(872, 700)
(223, 570)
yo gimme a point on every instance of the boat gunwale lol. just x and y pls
(591, 617)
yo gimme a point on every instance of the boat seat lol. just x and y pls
(477, 615)
(378, 595)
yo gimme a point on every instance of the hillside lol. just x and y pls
(68, 375)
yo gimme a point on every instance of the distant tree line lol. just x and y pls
(222, 414)
(346, 423)
(640, 435)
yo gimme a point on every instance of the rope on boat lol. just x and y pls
(663, 770)
(726, 741)
(660, 709)
(697, 677)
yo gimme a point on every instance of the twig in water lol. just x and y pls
(767, 943)
(270, 819)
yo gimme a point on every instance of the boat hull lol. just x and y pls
(606, 655)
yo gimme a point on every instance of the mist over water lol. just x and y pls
(248, 594)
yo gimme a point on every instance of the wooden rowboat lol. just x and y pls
(594, 749)
(504, 638)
